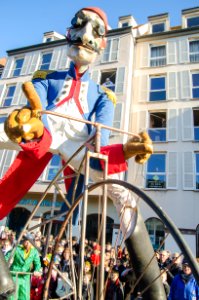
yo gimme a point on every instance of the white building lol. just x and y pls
(155, 74)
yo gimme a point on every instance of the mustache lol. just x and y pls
(79, 41)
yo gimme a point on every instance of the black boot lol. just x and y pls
(7, 286)
(141, 251)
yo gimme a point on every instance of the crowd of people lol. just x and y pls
(32, 259)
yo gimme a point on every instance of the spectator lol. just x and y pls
(176, 267)
(95, 256)
(109, 84)
(37, 285)
(130, 290)
(6, 249)
(165, 283)
(25, 258)
(164, 260)
(184, 285)
(87, 288)
(114, 289)
(64, 265)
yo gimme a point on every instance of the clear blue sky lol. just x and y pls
(23, 23)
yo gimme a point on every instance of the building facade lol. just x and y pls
(153, 69)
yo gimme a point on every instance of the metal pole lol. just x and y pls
(103, 237)
(83, 227)
(50, 225)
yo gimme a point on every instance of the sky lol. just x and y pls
(23, 22)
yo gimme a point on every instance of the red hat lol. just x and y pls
(100, 13)
(97, 247)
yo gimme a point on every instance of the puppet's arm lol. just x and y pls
(25, 124)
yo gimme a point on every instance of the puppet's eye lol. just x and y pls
(76, 22)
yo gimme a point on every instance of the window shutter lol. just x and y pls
(114, 49)
(95, 76)
(172, 85)
(185, 85)
(172, 125)
(63, 59)
(143, 88)
(17, 94)
(8, 67)
(187, 124)
(55, 59)
(142, 119)
(133, 122)
(188, 171)
(184, 52)
(120, 80)
(34, 63)
(172, 167)
(171, 52)
(2, 89)
(144, 56)
(26, 64)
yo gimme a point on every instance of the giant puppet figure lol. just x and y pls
(73, 93)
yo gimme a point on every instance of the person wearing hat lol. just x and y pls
(72, 92)
(114, 288)
(184, 285)
(26, 259)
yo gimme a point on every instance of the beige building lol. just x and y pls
(154, 72)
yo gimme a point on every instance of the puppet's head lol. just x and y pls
(86, 36)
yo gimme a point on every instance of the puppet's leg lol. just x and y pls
(19, 178)
(136, 239)
(7, 285)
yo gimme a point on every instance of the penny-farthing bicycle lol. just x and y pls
(147, 284)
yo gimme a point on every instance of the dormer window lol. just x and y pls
(125, 24)
(159, 27)
(159, 23)
(193, 21)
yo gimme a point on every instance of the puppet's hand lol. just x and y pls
(141, 148)
(25, 123)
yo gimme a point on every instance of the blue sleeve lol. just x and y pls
(41, 87)
(104, 114)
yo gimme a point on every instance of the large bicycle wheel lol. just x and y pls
(160, 213)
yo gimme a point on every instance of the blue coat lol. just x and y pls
(184, 291)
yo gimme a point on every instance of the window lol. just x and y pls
(158, 56)
(159, 27)
(195, 85)
(196, 124)
(17, 67)
(157, 88)
(2, 118)
(108, 79)
(157, 130)
(193, 21)
(53, 167)
(125, 24)
(194, 51)
(111, 51)
(45, 61)
(156, 171)
(7, 156)
(8, 96)
(197, 171)
(156, 232)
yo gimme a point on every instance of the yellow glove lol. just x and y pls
(141, 148)
(25, 123)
